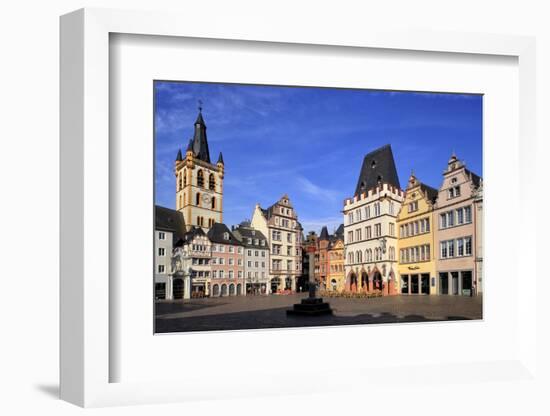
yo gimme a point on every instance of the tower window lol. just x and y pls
(213, 202)
(200, 178)
(211, 182)
(184, 177)
(198, 198)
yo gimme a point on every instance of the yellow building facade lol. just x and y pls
(336, 279)
(416, 267)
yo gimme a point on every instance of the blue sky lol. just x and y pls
(310, 142)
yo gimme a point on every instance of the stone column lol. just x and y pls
(311, 275)
(187, 286)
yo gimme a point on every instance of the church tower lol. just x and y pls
(199, 182)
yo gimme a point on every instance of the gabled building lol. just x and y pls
(169, 228)
(227, 265)
(335, 265)
(321, 258)
(256, 259)
(199, 182)
(458, 211)
(279, 223)
(191, 265)
(417, 269)
(370, 217)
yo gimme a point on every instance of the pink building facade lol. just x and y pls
(227, 263)
(457, 217)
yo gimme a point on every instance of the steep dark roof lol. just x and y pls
(216, 233)
(475, 178)
(167, 219)
(430, 192)
(340, 230)
(220, 158)
(200, 142)
(243, 233)
(179, 157)
(378, 165)
(324, 233)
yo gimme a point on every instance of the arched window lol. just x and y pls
(212, 182)
(350, 258)
(198, 198)
(180, 181)
(181, 200)
(213, 202)
(358, 256)
(198, 221)
(184, 177)
(200, 178)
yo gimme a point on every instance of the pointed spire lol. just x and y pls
(190, 146)
(200, 120)
(179, 157)
(200, 142)
(220, 158)
(324, 233)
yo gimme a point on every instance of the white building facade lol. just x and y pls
(370, 234)
(279, 223)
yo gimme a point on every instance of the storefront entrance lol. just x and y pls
(178, 289)
(466, 283)
(405, 284)
(160, 291)
(414, 284)
(443, 283)
(425, 284)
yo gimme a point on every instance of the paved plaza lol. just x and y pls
(251, 312)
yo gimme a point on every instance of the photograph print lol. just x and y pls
(287, 206)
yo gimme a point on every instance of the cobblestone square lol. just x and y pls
(260, 312)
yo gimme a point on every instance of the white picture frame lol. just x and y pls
(85, 352)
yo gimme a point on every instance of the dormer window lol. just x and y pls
(226, 236)
(413, 206)
(454, 192)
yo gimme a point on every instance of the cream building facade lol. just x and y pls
(279, 223)
(199, 183)
(370, 236)
(256, 259)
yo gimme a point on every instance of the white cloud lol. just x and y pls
(317, 191)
